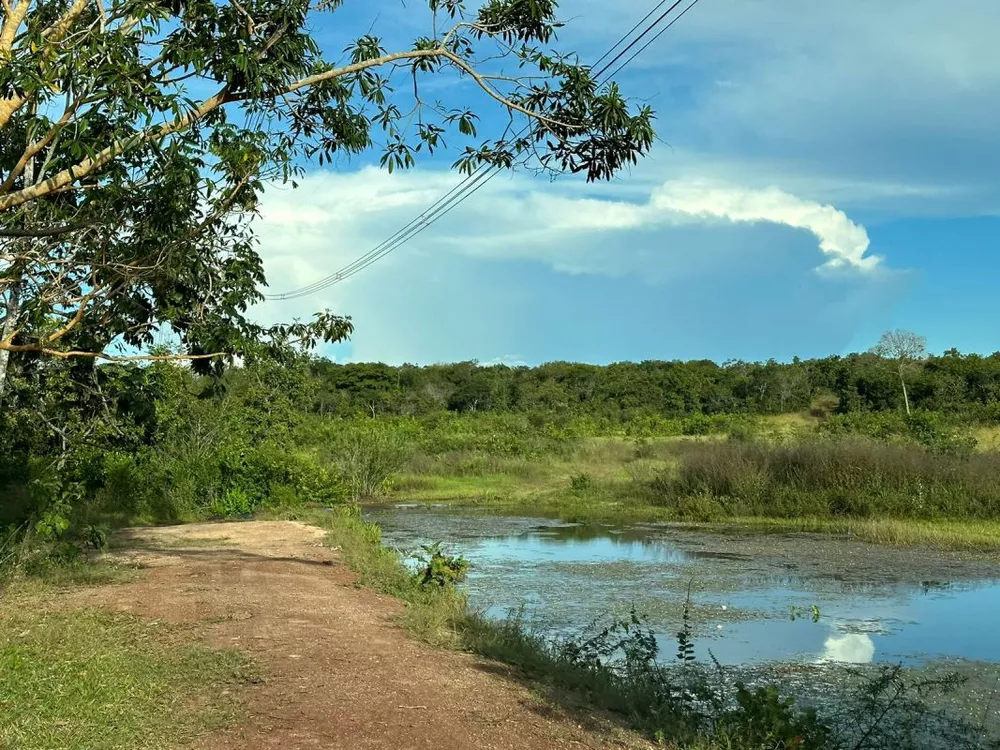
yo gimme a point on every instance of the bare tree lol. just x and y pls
(903, 349)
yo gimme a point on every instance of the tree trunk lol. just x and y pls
(9, 325)
(14, 297)
(906, 396)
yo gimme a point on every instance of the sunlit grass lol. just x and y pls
(974, 536)
(613, 478)
(94, 680)
(988, 438)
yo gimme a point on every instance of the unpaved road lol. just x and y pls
(338, 673)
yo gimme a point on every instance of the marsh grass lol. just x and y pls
(834, 478)
(783, 478)
(95, 680)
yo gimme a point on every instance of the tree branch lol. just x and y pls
(47, 231)
(11, 23)
(53, 35)
(77, 354)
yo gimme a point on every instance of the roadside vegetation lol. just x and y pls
(158, 443)
(96, 679)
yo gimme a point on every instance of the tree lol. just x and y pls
(903, 348)
(127, 195)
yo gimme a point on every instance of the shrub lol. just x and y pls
(824, 405)
(368, 458)
(439, 568)
(849, 476)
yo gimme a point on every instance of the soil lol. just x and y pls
(337, 671)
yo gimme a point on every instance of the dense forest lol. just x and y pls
(952, 382)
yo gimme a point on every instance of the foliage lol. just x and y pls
(659, 398)
(925, 428)
(438, 568)
(580, 483)
(368, 457)
(84, 447)
(137, 137)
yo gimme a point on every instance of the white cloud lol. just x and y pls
(467, 286)
(850, 648)
(681, 227)
(843, 241)
(890, 92)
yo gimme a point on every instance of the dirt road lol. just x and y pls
(338, 673)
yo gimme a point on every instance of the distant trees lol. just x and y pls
(903, 349)
(857, 382)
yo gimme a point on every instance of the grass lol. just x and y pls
(883, 493)
(434, 616)
(988, 438)
(970, 536)
(79, 573)
(94, 680)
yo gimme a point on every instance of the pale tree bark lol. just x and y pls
(13, 307)
(906, 395)
(13, 301)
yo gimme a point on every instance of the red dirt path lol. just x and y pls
(338, 673)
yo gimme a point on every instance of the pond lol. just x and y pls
(876, 604)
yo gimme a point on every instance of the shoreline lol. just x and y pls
(973, 537)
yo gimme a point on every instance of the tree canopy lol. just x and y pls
(137, 136)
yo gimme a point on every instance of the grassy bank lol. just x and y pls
(779, 476)
(616, 668)
(97, 680)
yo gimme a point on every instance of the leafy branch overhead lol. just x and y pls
(136, 138)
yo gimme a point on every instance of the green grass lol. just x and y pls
(94, 680)
(971, 536)
(775, 484)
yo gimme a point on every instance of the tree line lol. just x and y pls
(865, 382)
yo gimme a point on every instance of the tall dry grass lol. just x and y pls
(838, 478)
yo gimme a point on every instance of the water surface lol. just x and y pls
(876, 604)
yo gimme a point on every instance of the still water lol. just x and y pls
(876, 604)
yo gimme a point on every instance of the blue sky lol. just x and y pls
(829, 172)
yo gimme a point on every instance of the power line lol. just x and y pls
(478, 179)
(467, 187)
(630, 32)
(656, 36)
(638, 39)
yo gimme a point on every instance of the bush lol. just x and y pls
(580, 483)
(439, 568)
(368, 457)
(924, 428)
(842, 477)
(824, 405)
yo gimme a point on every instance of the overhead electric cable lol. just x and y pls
(478, 178)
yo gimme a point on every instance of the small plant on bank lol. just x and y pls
(438, 568)
(580, 483)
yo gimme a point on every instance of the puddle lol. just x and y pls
(877, 604)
